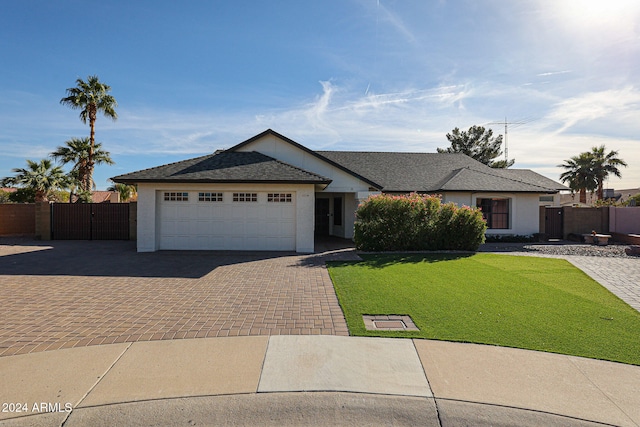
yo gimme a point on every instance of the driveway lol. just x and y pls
(64, 294)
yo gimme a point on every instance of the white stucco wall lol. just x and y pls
(524, 212)
(273, 146)
(523, 209)
(147, 241)
(350, 207)
(460, 199)
(305, 209)
(148, 230)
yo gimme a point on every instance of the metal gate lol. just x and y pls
(553, 223)
(90, 221)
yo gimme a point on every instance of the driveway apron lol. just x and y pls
(70, 294)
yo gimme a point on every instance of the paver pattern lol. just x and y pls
(70, 294)
(66, 294)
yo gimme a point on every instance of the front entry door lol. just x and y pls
(322, 217)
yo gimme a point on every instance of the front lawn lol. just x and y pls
(514, 301)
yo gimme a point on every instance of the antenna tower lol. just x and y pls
(506, 124)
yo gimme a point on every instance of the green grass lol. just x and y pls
(524, 302)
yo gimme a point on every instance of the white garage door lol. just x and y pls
(210, 220)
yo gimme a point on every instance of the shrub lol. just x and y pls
(5, 196)
(416, 222)
(636, 201)
(467, 229)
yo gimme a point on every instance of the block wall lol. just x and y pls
(17, 219)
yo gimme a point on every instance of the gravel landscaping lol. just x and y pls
(560, 249)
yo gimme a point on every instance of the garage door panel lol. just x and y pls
(252, 228)
(202, 228)
(235, 228)
(254, 212)
(273, 212)
(218, 227)
(201, 242)
(184, 212)
(227, 225)
(279, 243)
(170, 212)
(185, 227)
(253, 242)
(167, 228)
(205, 212)
(280, 228)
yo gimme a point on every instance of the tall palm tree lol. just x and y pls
(605, 164)
(579, 174)
(91, 97)
(78, 152)
(41, 176)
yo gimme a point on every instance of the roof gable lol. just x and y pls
(287, 153)
(226, 167)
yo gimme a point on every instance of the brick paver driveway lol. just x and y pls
(74, 293)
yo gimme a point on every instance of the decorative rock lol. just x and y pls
(561, 249)
(633, 250)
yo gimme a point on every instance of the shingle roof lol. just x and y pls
(226, 166)
(432, 172)
(390, 172)
(467, 179)
(533, 177)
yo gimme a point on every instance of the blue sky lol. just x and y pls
(195, 76)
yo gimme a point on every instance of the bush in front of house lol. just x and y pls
(466, 229)
(415, 222)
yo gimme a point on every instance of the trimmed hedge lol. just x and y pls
(417, 223)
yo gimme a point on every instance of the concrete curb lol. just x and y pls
(328, 379)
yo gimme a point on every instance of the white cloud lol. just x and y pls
(396, 23)
(616, 106)
(415, 119)
(543, 151)
(553, 73)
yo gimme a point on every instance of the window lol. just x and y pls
(209, 197)
(337, 211)
(495, 212)
(176, 197)
(245, 197)
(546, 198)
(279, 198)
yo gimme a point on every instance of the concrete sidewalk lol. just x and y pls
(313, 380)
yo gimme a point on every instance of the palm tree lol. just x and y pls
(579, 174)
(78, 151)
(603, 165)
(126, 191)
(41, 176)
(91, 97)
